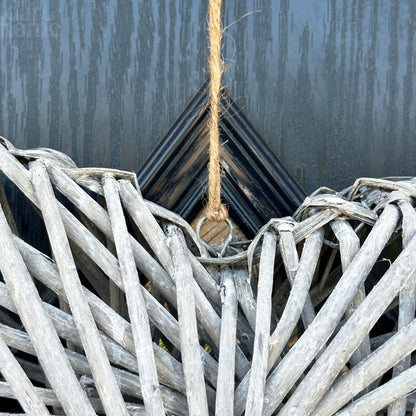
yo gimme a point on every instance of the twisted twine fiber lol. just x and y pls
(215, 210)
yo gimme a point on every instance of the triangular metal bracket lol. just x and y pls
(255, 185)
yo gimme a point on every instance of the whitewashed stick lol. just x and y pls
(20, 384)
(98, 253)
(245, 294)
(81, 236)
(310, 343)
(108, 390)
(66, 329)
(209, 287)
(84, 177)
(48, 397)
(135, 301)
(365, 347)
(98, 215)
(153, 234)
(381, 397)
(291, 262)
(203, 284)
(407, 300)
(300, 231)
(148, 226)
(169, 216)
(86, 221)
(143, 218)
(129, 383)
(63, 305)
(16, 414)
(49, 348)
(206, 308)
(328, 366)
(110, 322)
(254, 402)
(191, 359)
(211, 322)
(349, 246)
(347, 386)
(136, 409)
(117, 328)
(86, 241)
(292, 312)
(245, 334)
(20, 176)
(77, 232)
(116, 296)
(226, 364)
(206, 281)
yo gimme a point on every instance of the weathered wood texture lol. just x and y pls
(38, 325)
(254, 401)
(297, 322)
(20, 384)
(407, 299)
(135, 301)
(226, 367)
(100, 366)
(194, 376)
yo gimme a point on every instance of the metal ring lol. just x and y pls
(223, 246)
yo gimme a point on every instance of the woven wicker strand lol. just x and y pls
(156, 324)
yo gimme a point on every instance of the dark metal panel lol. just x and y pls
(329, 84)
(101, 80)
(255, 186)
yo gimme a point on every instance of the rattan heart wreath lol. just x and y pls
(147, 320)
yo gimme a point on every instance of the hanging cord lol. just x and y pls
(215, 210)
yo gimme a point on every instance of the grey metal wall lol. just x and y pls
(329, 84)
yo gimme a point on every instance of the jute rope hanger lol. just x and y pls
(215, 210)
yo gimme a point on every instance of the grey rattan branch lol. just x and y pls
(316, 317)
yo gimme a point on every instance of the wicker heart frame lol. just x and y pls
(149, 320)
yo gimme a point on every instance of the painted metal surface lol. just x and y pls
(255, 185)
(329, 84)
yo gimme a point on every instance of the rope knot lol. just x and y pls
(216, 212)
